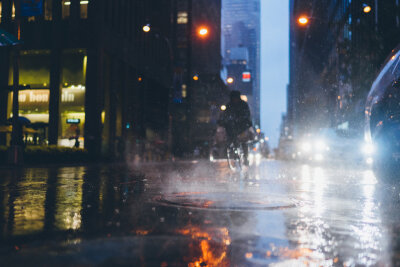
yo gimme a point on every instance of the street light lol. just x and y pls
(303, 20)
(367, 8)
(203, 31)
(146, 28)
(230, 80)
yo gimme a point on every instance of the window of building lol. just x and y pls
(48, 5)
(13, 11)
(1, 10)
(65, 9)
(182, 17)
(72, 104)
(84, 9)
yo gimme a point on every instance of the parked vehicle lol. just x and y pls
(382, 115)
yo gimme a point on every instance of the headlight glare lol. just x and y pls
(306, 147)
(320, 145)
(368, 149)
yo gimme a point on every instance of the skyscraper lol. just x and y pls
(241, 29)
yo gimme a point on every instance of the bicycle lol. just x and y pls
(235, 156)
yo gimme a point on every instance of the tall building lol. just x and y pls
(90, 69)
(87, 69)
(198, 89)
(334, 58)
(241, 32)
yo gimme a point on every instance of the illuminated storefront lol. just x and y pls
(34, 102)
(34, 105)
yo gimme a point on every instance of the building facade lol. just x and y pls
(198, 88)
(89, 71)
(334, 59)
(241, 32)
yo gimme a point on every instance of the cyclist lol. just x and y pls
(236, 120)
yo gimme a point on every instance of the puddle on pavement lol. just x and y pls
(227, 201)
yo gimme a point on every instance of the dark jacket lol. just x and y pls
(236, 118)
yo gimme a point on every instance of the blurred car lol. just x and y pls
(331, 145)
(312, 147)
(286, 149)
(382, 114)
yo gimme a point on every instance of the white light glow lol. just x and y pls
(320, 145)
(368, 149)
(319, 157)
(306, 147)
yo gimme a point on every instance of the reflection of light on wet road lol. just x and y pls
(335, 204)
(69, 196)
(281, 214)
(319, 191)
(28, 205)
(369, 230)
(29, 211)
(212, 253)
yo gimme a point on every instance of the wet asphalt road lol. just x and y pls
(198, 214)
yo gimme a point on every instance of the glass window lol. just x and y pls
(182, 18)
(13, 11)
(66, 5)
(84, 9)
(48, 14)
(72, 104)
(1, 10)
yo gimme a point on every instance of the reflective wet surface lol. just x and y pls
(198, 214)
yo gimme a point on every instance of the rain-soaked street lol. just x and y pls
(198, 214)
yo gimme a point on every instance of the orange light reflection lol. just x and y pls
(211, 256)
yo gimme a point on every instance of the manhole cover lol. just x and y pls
(227, 201)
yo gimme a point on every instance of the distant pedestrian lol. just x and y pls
(77, 134)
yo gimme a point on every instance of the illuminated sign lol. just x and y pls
(73, 121)
(37, 101)
(31, 8)
(246, 77)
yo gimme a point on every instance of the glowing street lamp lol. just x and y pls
(223, 107)
(146, 28)
(367, 8)
(203, 32)
(230, 80)
(303, 20)
(195, 77)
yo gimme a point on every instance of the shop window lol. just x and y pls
(13, 11)
(182, 18)
(33, 103)
(72, 104)
(48, 14)
(34, 68)
(84, 9)
(65, 8)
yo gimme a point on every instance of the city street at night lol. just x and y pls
(197, 213)
(200, 133)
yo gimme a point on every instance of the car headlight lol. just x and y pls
(306, 147)
(320, 145)
(369, 149)
(319, 157)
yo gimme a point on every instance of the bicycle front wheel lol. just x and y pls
(234, 158)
